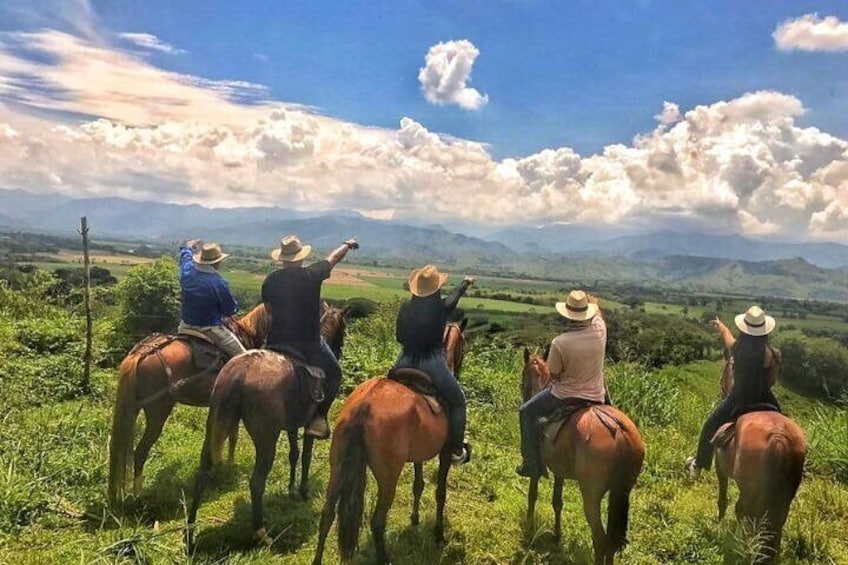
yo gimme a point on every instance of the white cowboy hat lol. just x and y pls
(291, 250)
(755, 322)
(426, 281)
(577, 307)
(209, 254)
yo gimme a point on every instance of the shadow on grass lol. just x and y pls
(540, 541)
(413, 545)
(289, 520)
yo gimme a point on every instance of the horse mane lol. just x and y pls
(253, 327)
(536, 375)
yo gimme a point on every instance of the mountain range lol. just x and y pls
(728, 263)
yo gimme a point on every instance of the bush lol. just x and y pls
(816, 366)
(149, 301)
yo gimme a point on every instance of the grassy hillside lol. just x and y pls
(53, 455)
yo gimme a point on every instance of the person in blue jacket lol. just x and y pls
(205, 295)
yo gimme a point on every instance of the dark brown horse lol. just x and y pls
(766, 459)
(602, 450)
(143, 384)
(262, 390)
(383, 426)
(149, 381)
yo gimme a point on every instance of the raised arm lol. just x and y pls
(336, 256)
(594, 300)
(726, 337)
(453, 298)
(187, 257)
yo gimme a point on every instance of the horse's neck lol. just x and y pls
(253, 326)
(334, 335)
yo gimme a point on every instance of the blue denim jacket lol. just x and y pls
(206, 297)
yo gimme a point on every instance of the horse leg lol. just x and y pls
(201, 479)
(328, 514)
(294, 455)
(722, 491)
(308, 442)
(592, 511)
(155, 415)
(387, 478)
(417, 489)
(266, 447)
(442, 493)
(233, 440)
(532, 495)
(557, 504)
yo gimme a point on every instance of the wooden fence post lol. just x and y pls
(86, 382)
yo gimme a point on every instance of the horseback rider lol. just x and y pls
(292, 296)
(205, 296)
(420, 330)
(755, 366)
(576, 363)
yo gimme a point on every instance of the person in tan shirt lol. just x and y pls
(755, 365)
(576, 363)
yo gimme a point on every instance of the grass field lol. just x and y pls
(53, 461)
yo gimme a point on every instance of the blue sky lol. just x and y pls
(583, 74)
(727, 117)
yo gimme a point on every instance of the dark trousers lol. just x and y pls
(436, 367)
(319, 354)
(722, 414)
(543, 404)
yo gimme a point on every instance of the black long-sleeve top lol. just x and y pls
(421, 321)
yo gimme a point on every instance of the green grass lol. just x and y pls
(53, 474)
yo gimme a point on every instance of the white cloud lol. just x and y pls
(150, 42)
(741, 165)
(446, 73)
(812, 33)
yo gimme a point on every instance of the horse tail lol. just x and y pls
(224, 412)
(123, 427)
(352, 489)
(627, 468)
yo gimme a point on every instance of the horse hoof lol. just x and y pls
(440, 535)
(304, 493)
(414, 519)
(263, 538)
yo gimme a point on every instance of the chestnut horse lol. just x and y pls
(261, 389)
(602, 450)
(766, 459)
(144, 383)
(383, 425)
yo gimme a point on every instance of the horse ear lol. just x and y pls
(462, 324)
(526, 355)
(346, 310)
(324, 306)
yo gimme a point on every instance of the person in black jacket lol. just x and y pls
(420, 330)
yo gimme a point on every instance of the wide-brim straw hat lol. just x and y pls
(209, 254)
(577, 307)
(426, 281)
(755, 322)
(291, 250)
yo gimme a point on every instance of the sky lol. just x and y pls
(728, 117)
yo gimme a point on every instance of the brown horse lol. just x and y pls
(766, 459)
(384, 425)
(602, 450)
(262, 390)
(143, 384)
(146, 381)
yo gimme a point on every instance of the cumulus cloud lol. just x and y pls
(812, 33)
(740, 165)
(150, 42)
(446, 73)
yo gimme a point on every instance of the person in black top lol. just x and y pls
(292, 296)
(420, 330)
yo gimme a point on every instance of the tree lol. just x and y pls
(149, 300)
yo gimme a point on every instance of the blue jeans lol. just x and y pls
(722, 414)
(437, 369)
(543, 404)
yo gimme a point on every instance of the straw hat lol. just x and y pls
(291, 250)
(426, 281)
(755, 322)
(209, 254)
(577, 307)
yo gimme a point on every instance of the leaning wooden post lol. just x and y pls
(86, 378)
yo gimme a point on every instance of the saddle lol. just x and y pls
(420, 383)
(309, 377)
(553, 424)
(727, 432)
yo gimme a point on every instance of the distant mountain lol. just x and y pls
(567, 239)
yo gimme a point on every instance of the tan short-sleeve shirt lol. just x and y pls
(576, 362)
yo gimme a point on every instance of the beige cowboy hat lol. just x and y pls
(209, 254)
(755, 322)
(577, 307)
(291, 250)
(426, 281)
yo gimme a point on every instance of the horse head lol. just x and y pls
(333, 325)
(535, 375)
(454, 344)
